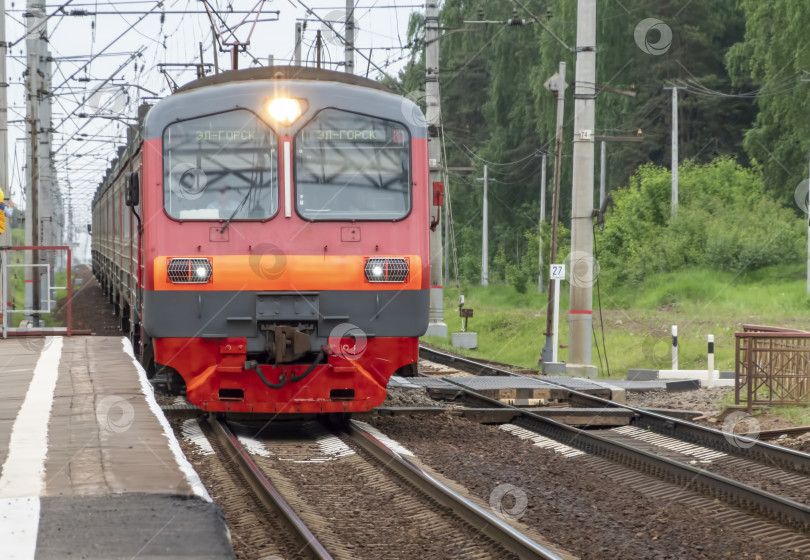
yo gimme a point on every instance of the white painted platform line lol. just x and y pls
(253, 446)
(703, 453)
(192, 477)
(193, 433)
(541, 441)
(390, 443)
(23, 476)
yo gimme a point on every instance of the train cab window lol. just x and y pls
(219, 167)
(352, 167)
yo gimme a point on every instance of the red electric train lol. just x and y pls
(264, 236)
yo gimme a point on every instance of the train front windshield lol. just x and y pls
(219, 167)
(352, 167)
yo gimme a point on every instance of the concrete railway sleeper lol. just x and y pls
(783, 511)
(732, 444)
(484, 521)
(265, 490)
(362, 499)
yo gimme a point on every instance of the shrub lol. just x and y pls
(725, 221)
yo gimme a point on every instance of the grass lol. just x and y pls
(637, 319)
(799, 415)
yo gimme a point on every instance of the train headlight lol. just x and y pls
(388, 269)
(284, 109)
(189, 271)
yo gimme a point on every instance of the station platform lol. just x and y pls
(90, 467)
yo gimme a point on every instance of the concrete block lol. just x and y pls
(617, 394)
(683, 374)
(726, 375)
(553, 368)
(467, 340)
(707, 384)
(582, 370)
(437, 329)
(683, 385)
(642, 374)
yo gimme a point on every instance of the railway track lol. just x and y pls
(739, 445)
(267, 493)
(337, 493)
(758, 477)
(768, 435)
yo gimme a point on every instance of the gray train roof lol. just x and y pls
(283, 73)
(250, 89)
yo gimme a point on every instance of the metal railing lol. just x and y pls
(7, 311)
(772, 366)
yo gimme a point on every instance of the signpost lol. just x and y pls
(556, 273)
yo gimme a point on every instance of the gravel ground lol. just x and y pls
(255, 532)
(566, 501)
(356, 507)
(400, 396)
(705, 400)
(90, 310)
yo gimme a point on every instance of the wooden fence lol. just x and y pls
(772, 366)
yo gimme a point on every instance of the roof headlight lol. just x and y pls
(284, 110)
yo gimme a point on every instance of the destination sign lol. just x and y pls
(349, 134)
(224, 135)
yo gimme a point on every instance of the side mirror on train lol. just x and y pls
(90, 229)
(132, 190)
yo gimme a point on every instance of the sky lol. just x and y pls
(88, 49)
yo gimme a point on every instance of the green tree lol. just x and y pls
(774, 57)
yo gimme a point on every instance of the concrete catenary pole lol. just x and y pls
(299, 32)
(49, 197)
(542, 220)
(485, 233)
(447, 240)
(5, 238)
(581, 273)
(674, 188)
(436, 324)
(674, 150)
(349, 31)
(36, 28)
(602, 167)
(559, 91)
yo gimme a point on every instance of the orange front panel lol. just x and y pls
(287, 272)
(214, 367)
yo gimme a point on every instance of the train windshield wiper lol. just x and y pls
(238, 208)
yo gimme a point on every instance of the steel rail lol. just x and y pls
(777, 508)
(487, 523)
(265, 491)
(732, 444)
